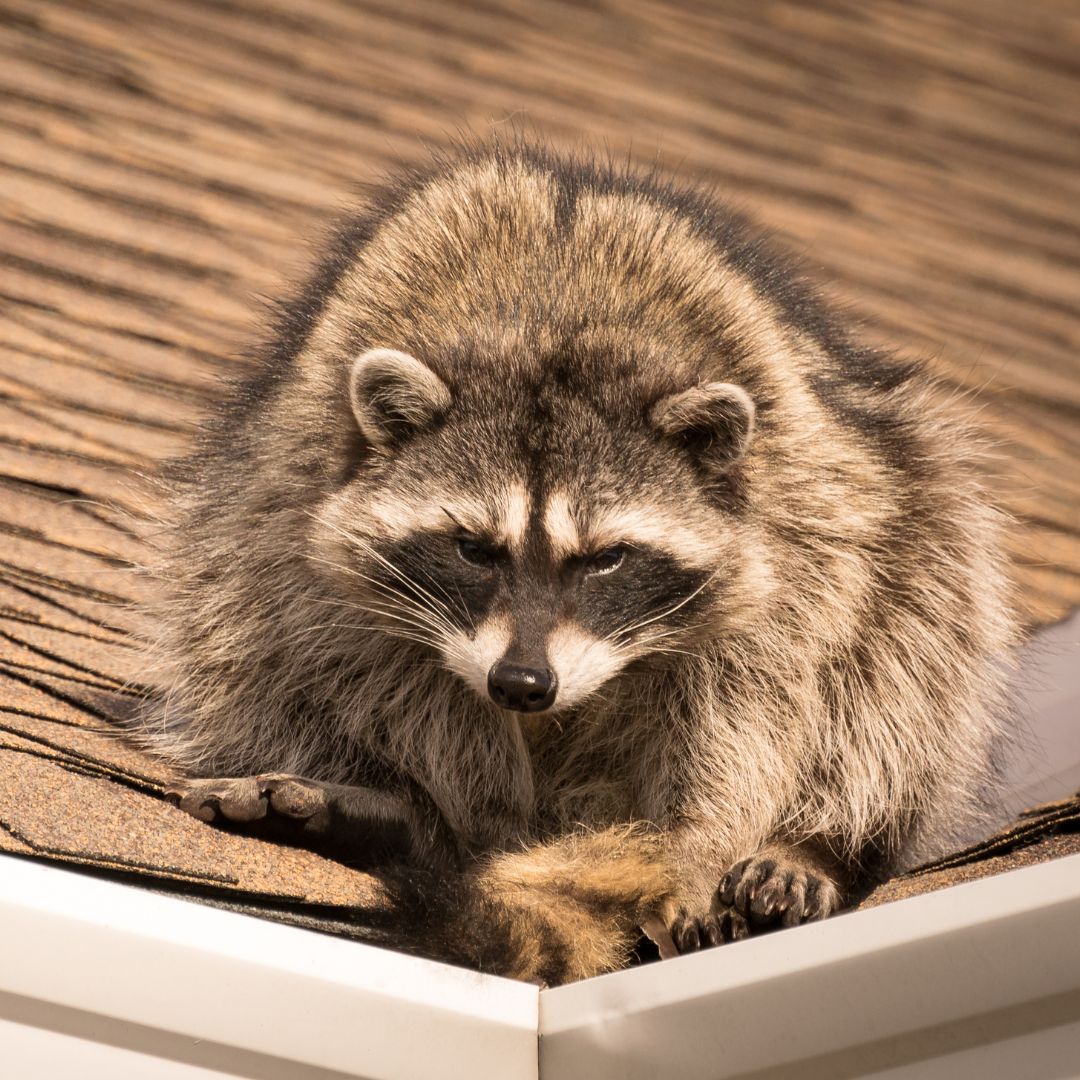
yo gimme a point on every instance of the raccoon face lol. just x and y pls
(541, 531)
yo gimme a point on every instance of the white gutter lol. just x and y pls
(102, 980)
(912, 983)
(213, 993)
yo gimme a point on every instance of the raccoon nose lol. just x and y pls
(525, 689)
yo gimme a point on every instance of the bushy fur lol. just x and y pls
(839, 690)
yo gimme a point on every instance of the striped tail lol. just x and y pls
(550, 914)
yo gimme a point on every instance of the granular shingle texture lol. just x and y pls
(1042, 833)
(163, 162)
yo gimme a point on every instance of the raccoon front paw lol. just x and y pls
(755, 895)
(774, 891)
(720, 925)
(251, 798)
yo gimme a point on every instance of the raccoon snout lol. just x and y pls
(524, 689)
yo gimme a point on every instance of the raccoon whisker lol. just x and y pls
(625, 631)
(439, 613)
(363, 544)
(413, 584)
(395, 633)
(390, 630)
(389, 613)
(435, 633)
(419, 615)
(366, 546)
(669, 650)
(460, 600)
(458, 607)
(465, 610)
(441, 609)
(651, 639)
(395, 613)
(328, 602)
(442, 588)
(400, 602)
(433, 617)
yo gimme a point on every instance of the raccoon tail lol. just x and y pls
(551, 913)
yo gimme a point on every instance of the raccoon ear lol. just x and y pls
(394, 395)
(714, 421)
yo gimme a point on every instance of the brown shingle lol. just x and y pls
(150, 186)
(55, 810)
(1043, 833)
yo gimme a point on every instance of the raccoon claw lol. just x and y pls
(692, 933)
(251, 798)
(776, 892)
(686, 932)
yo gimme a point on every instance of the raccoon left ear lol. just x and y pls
(394, 395)
(715, 421)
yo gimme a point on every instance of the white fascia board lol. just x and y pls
(243, 996)
(906, 987)
(970, 980)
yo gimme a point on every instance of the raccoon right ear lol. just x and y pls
(394, 395)
(714, 421)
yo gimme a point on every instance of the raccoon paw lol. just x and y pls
(718, 926)
(774, 891)
(251, 798)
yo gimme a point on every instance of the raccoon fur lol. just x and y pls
(566, 556)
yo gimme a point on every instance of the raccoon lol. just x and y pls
(567, 556)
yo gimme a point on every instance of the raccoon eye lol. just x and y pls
(607, 560)
(476, 552)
